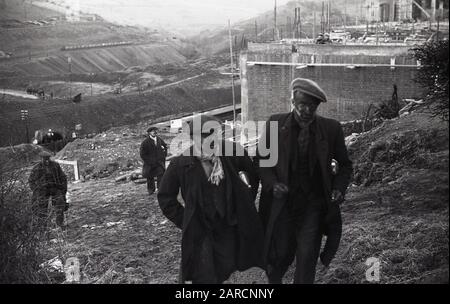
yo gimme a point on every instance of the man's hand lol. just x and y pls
(337, 197)
(279, 190)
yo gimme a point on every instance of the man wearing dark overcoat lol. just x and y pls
(48, 181)
(153, 152)
(301, 193)
(221, 229)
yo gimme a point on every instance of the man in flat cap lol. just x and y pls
(301, 194)
(48, 181)
(221, 229)
(153, 152)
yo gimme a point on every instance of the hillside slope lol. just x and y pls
(23, 11)
(101, 60)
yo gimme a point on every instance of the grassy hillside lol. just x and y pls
(49, 37)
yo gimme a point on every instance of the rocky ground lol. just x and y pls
(396, 211)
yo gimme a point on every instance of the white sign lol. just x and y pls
(176, 123)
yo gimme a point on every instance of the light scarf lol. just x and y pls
(217, 173)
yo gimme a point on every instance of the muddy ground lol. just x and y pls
(120, 235)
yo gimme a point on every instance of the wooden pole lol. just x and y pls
(314, 25)
(299, 24)
(232, 75)
(329, 16)
(376, 32)
(437, 29)
(275, 21)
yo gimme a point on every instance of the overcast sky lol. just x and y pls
(177, 12)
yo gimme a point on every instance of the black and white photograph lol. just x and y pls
(246, 143)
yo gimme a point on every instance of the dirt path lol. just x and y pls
(120, 236)
(17, 93)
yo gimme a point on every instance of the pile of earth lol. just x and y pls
(396, 210)
(19, 156)
(414, 141)
(108, 154)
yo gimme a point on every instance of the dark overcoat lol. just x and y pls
(49, 177)
(183, 173)
(329, 144)
(154, 157)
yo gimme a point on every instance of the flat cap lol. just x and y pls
(152, 129)
(44, 154)
(198, 122)
(309, 87)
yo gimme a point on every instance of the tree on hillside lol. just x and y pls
(433, 76)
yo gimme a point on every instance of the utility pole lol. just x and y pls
(322, 19)
(438, 17)
(24, 118)
(314, 24)
(288, 27)
(92, 79)
(376, 32)
(345, 17)
(329, 16)
(299, 24)
(256, 32)
(294, 32)
(69, 60)
(232, 76)
(275, 22)
(360, 11)
(236, 49)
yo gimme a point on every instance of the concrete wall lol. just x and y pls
(265, 88)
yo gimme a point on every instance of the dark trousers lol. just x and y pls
(151, 183)
(297, 234)
(40, 200)
(214, 259)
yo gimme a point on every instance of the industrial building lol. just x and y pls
(353, 77)
(401, 10)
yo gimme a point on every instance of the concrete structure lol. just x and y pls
(353, 76)
(388, 10)
(398, 10)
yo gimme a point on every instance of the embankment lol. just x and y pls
(99, 113)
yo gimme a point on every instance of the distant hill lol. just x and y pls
(22, 10)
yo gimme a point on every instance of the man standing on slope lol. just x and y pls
(301, 193)
(153, 152)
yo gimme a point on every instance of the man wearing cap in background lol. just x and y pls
(301, 194)
(47, 180)
(153, 152)
(221, 230)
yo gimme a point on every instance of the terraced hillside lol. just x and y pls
(101, 60)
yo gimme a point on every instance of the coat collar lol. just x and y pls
(290, 121)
